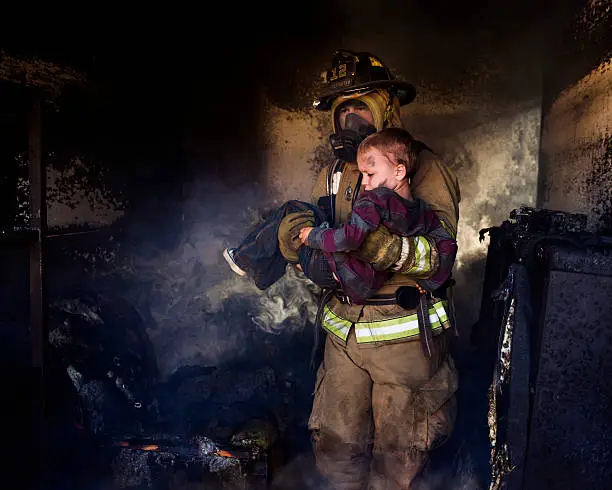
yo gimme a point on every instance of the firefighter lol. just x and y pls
(385, 390)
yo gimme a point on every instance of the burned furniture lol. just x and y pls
(551, 397)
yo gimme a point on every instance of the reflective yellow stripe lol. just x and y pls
(404, 327)
(440, 308)
(427, 258)
(401, 328)
(334, 324)
(422, 256)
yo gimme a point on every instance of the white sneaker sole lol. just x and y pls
(227, 255)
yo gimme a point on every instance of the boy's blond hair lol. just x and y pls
(396, 144)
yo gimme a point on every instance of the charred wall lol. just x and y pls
(575, 156)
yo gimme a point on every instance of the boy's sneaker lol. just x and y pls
(228, 255)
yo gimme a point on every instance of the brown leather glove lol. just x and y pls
(381, 249)
(289, 233)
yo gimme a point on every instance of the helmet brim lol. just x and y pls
(405, 92)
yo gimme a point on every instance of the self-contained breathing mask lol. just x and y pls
(346, 141)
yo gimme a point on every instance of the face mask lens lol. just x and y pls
(345, 142)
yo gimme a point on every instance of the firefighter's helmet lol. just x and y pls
(353, 72)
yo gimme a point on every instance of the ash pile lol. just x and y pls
(228, 426)
(170, 462)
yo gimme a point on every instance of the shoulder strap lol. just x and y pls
(350, 181)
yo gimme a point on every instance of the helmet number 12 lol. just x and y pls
(338, 72)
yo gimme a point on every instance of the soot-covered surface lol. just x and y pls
(178, 151)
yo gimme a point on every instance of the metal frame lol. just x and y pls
(37, 297)
(33, 239)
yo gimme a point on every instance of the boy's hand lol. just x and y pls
(304, 232)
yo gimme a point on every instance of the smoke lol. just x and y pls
(202, 313)
(459, 474)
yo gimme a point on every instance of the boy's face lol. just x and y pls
(378, 171)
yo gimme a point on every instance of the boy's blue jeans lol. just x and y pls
(260, 255)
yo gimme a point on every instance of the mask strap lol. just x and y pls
(388, 112)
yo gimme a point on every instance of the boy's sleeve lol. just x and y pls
(364, 219)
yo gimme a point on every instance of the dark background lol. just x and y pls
(174, 109)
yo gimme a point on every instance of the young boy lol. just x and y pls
(386, 160)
